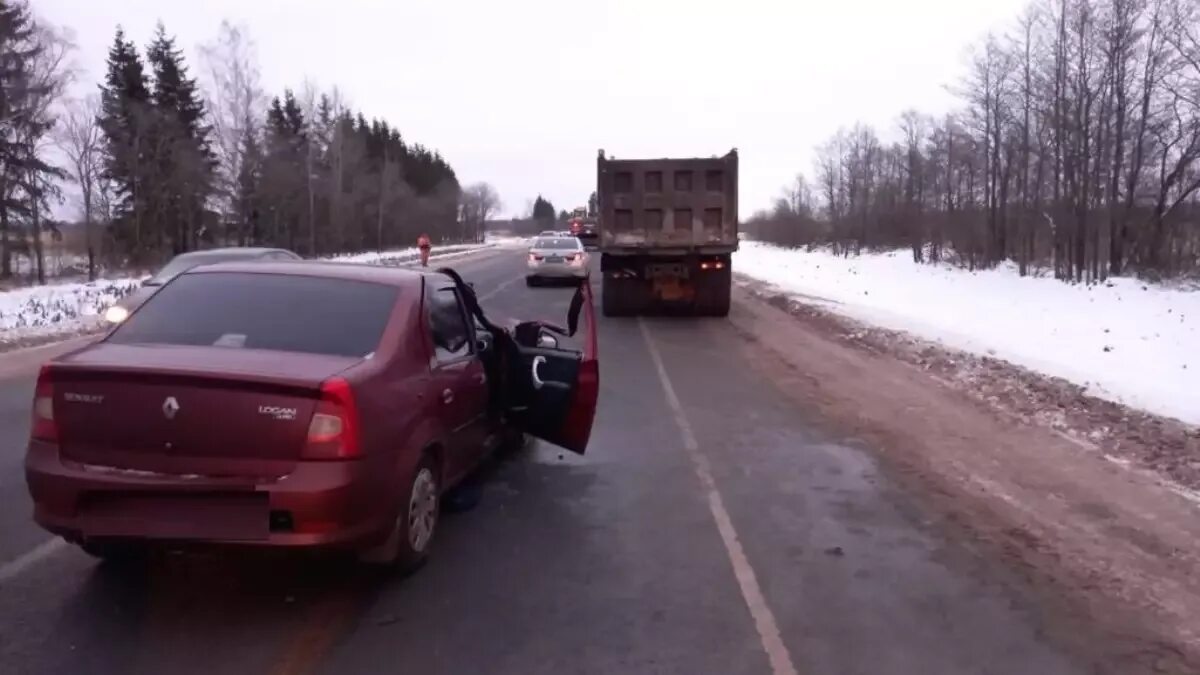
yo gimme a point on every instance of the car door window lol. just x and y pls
(448, 325)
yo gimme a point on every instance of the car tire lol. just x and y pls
(411, 535)
(531, 281)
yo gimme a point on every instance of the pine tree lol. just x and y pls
(543, 211)
(21, 125)
(124, 119)
(184, 154)
(283, 174)
(247, 199)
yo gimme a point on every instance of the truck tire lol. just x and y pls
(714, 295)
(719, 305)
(612, 301)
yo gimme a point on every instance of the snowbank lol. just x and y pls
(404, 256)
(41, 306)
(1125, 340)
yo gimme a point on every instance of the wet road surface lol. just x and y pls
(709, 529)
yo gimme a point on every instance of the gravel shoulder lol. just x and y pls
(1091, 503)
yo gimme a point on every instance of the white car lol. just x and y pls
(556, 257)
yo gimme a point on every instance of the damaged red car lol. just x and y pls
(308, 405)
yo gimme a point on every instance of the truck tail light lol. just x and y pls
(333, 432)
(43, 427)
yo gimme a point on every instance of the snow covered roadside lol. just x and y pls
(34, 315)
(406, 256)
(1124, 341)
(40, 314)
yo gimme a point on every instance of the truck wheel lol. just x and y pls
(715, 294)
(719, 304)
(611, 301)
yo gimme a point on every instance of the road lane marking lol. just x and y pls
(502, 286)
(30, 558)
(760, 611)
(326, 622)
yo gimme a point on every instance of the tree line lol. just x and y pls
(1075, 149)
(166, 159)
(32, 79)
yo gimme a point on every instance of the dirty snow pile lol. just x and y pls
(1123, 340)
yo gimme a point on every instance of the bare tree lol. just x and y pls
(309, 104)
(51, 75)
(1077, 148)
(235, 103)
(80, 139)
(478, 203)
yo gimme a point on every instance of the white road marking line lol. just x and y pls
(18, 565)
(764, 619)
(499, 288)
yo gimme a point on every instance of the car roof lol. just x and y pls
(391, 276)
(247, 251)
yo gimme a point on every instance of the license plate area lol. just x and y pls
(667, 271)
(220, 516)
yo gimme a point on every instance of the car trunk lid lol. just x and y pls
(184, 410)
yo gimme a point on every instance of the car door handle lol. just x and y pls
(538, 383)
(447, 396)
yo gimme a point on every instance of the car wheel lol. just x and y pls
(531, 281)
(411, 536)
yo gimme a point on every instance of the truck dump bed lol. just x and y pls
(668, 206)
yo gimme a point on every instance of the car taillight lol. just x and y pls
(333, 432)
(533, 257)
(43, 426)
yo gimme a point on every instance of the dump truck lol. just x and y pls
(668, 229)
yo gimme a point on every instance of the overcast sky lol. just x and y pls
(522, 93)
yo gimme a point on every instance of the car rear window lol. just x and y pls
(264, 311)
(564, 243)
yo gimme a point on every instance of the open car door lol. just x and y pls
(548, 391)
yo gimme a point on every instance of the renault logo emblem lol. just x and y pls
(170, 407)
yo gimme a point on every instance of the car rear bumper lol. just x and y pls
(324, 505)
(557, 270)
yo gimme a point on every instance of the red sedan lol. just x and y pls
(314, 405)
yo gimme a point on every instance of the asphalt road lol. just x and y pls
(709, 529)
